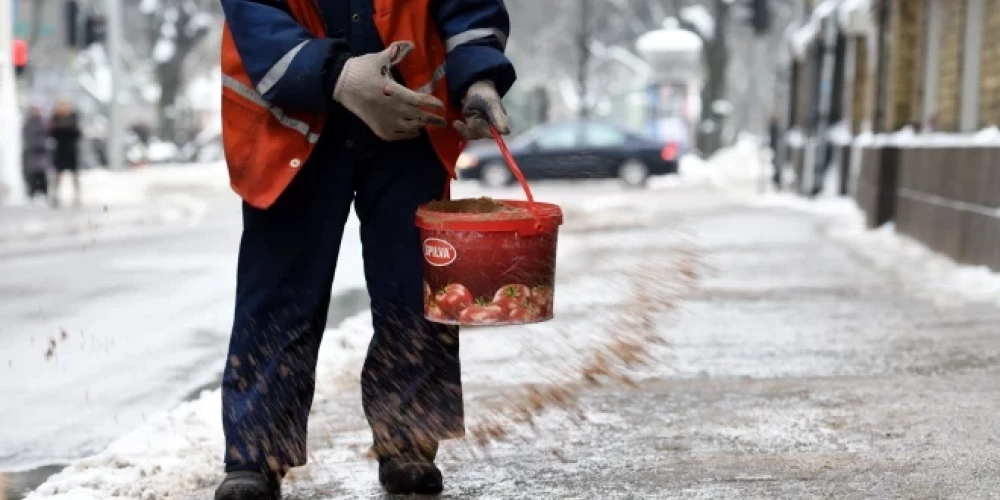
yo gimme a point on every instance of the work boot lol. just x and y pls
(248, 485)
(409, 476)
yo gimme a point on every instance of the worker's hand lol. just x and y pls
(392, 111)
(481, 108)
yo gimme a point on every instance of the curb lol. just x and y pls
(174, 209)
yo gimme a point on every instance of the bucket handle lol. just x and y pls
(509, 159)
(512, 165)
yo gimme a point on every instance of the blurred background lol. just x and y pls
(695, 72)
(118, 229)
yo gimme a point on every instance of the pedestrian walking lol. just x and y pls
(774, 142)
(35, 157)
(326, 103)
(64, 129)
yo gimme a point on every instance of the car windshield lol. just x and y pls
(604, 135)
(527, 137)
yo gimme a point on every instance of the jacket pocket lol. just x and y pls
(241, 124)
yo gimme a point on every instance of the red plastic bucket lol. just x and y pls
(495, 268)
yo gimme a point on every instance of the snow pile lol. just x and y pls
(699, 17)
(840, 134)
(155, 195)
(855, 17)
(795, 138)
(802, 38)
(722, 107)
(615, 210)
(840, 210)
(669, 40)
(94, 72)
(929, 274)
(205, 90)
(181, 450)
(733, 165)
(848, 6)
(103, 187)
(908, 138)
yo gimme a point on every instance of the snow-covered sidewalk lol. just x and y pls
(167, 194)
(178, 451)
(814, 357)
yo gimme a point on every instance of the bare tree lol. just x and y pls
(556, 39)
(36, 22)
(583, 39)
(715, 52)
(174, 28)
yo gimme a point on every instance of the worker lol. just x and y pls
(325, 103)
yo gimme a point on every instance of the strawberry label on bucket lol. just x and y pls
(502, 279)
(439, 253)
(506, 275)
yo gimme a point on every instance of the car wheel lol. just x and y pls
(495, 175)
(633, 173)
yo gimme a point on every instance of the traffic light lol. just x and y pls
(760, 17)
(72, 24)
(83, 29)
(95, 30)
(20, 56)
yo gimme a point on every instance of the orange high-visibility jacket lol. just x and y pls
(266, 145)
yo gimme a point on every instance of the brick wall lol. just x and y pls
(866, 189)
(875, 192)
(946, 198)
(802, 94)
(919, 39)
(989, 89)
(906, 30)
(861, 89)
(950, 67)
(949, 200)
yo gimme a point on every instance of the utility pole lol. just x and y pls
(116, 128)
(881, 66)
(583, 46)
(758, 63)
(828, 39)
(11, 184)
(760, 23)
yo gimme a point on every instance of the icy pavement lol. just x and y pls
(810, 363)
(146, 315)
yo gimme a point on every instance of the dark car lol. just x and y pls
(574, 150)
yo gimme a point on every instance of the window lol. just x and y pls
(558, 137)
(527, 138)
(600, 135)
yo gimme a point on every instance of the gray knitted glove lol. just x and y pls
(392, 111)
(481, 107)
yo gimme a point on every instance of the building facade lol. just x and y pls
(910, 116)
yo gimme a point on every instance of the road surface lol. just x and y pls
(95, 334)
(798, 369)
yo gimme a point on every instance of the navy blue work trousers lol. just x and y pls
(411, 381)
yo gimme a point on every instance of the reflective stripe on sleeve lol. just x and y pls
(473, 35)
(255, 97)
(279, 69)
